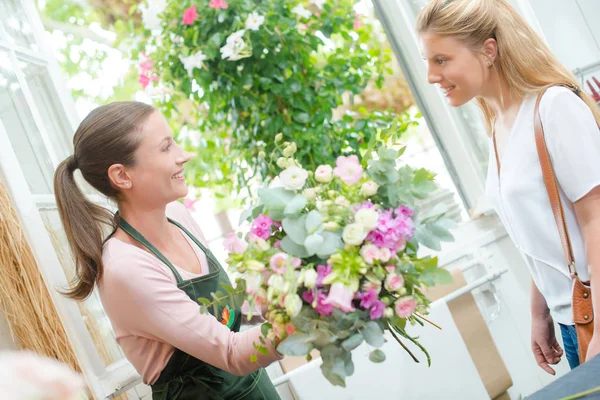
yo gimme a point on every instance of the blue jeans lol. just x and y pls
(569, 335)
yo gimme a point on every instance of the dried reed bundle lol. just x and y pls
(24, 298)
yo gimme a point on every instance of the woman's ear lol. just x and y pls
(490, 49)
(119, 177)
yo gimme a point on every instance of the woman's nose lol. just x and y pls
(433, 77)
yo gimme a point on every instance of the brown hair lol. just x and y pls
(524, 61)
(107, 136)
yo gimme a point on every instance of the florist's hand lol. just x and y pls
(544, 345)
(593, 348)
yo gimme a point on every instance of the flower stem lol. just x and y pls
(402, 344)
(426, 320)
(583, 394)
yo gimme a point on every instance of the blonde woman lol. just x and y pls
(483, 50)
(155, 265)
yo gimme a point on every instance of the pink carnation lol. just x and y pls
(190, 15)
(217, 4)
(322, 272)
(261, 226)
(377, 310)
(348, 169)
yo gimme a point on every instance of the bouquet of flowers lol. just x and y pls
(331, 254)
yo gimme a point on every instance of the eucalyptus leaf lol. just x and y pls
(377, 356)
(275, 198)
(352, 342)
(295, 229)
(373, 334)
(313, 221)
(331, 243)
(312, 243)
(299, 344)
(295, 206)
(293, 248)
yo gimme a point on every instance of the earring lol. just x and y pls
(489, 63)
(128, 185)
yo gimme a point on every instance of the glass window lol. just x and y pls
(47, 104)
(16, 24)
(20, 126)
(91, 310)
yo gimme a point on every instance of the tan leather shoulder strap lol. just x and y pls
(552, 186)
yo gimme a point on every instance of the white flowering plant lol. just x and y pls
(238, 72)
(331, 256)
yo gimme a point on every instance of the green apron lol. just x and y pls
(186, 377)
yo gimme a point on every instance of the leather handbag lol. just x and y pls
(583, 313)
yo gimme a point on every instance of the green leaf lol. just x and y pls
(295, 205)
(442, 276)
(330, 245)
(253, 358)
(313, 221)
(301, 118)
(275, 198)
(373, 334)
(298, 344)
(295, 229)
(312, 243)
(295, 249)
(352, 342)
(377, 356)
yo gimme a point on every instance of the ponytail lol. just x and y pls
(83, 222)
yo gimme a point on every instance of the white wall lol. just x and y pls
(571, 28)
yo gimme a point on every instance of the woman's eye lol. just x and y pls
(167, 148)
(441, 62)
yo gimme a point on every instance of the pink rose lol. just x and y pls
(393, 282)
(370, 253)
(279, 263)
(348, 169)
(190, 15)
(233, 244)
(371, 286)
(384, 254)
(340, 297)
(405, 306)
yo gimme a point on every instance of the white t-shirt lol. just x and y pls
(520, 198)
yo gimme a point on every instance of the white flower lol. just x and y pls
(194, 61)
(260, 244)
(331, 226)
(276, 282)
(293, 178)
(301, 11)
(310, 194)
(253, 281)
(342, 201)
(290, 150)
(369, 188)
(354, 234)
(388, 313)
(367, 217)
(235, 46)
(310, 278)
(293, 304)
(324, 173)
(255, 266)
(150, 15)
(275, 183)
(254, 21)
(318, 3)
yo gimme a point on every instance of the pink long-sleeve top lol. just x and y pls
(151, 316)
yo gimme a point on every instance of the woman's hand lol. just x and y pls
(544, 345)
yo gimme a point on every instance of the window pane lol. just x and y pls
(22, 131)
(48, 105)
(92, 312)
(16, 24)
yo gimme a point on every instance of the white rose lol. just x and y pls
(324, 174)
(290, 150)
(276, 283)
(310, 194)
(354, 234)
(369, 188)
(367, 217)
(310, 278)
(282, 162)
(293, 178)
(253, 281)
(293, 304)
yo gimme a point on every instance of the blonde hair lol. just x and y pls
(523, 60)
